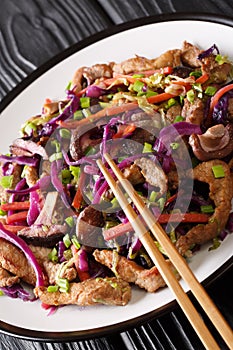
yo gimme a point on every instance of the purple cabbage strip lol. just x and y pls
(208, 52)
(19, 242)
(95, 91)
(169, 133)
(220, 111)
(68, 112)
(61, 249)
(17, 291)
(7, 169)
(34, 209)
(83, 260)
(21, 160)
(57, 182)
(42, 183)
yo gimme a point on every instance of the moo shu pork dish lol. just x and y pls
(168, 124)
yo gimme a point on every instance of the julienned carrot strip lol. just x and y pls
(164, 96)
(127, 130)
(202, 79)
(218, 95)
(187, 217)
(106, 112)
(14, 229)
(121, 229)
(78, 198)
(21, 215)
(15, 206)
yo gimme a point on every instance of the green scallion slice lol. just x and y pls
(207, 209)
(138, 86)
(52, 289)
(65, 133)
(63, 285)
(210, 90)
(6, 181)
(178, 119)
(85, 102)
(147, 148)
(218, 171)
(70, 221)
(53, 255)
(67, 241)
(75, 242)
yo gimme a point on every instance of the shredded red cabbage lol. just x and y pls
(57, 182)
(42, 184)
(220, 112)
(19, 242)
(83, 260)
(21, 160)
(208, 52)
(34, 209)
(17, 291)
(95, 91)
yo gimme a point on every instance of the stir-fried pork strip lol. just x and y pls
(131, 272)
(6, 279)
(193, 112)
(109, 291)
(221, 192)
(13, 260)
(51, 269)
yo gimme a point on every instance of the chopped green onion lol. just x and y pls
(2, 212)
(216, 244)
(221, 59)
(173, 236)
(57, 145)
(6, 181)
(29, 127)
(171, 102)
(75, 242)
(53, 255)
(210, 90)
(161, 202)
(68, 254)
(78, 115)
(85, 102)
(55, 156)
(138, 86)
(218, 171)
(1, 293)
(174, 145)
(197, 87)
(68, 86)
(86, 112)
(67, 241)
(207, 208)
(138, 76)
(65, 133)
(178, 119)
(151, 93)
(70, 221)
(66, 176)
(153, 196)
(190, 96)
(63, 285)
(104, 104)
(75, 171)
(52, 289)
(147, 148)
(196, 74)
(114, 203)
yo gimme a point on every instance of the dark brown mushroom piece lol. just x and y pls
(89, 226)
(215, 143)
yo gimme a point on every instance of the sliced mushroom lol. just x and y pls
(153, 173)
(215, 143)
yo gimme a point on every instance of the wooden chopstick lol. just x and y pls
(177, 260)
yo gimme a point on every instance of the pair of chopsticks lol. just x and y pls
(177, 260)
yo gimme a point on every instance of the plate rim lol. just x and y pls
(42, 336)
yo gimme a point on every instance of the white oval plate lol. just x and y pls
(29, 319)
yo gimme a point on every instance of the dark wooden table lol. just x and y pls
(33, 31)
